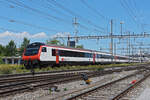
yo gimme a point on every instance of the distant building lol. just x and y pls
(71, 44)
(12, 60)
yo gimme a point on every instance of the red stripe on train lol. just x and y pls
(57, 56)
(94, 55)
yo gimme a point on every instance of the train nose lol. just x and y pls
(35, 57)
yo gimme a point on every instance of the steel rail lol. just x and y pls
(37, 73)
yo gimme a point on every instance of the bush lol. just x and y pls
(1, 61)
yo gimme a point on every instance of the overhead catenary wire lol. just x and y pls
(129, 13)
(136, 15)
(134, 7)
(17, 3)
(86, 28)
(46, 15)
(133, 10)
(129, 8)
(94, 10)
(11, 30)
(48, 6)
(39, 12)
(6, 5)
(27, 24)
(74, 14)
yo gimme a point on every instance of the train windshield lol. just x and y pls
(31, 51)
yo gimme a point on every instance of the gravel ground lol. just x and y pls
(47, 94)
(110, 91)
(136, 92)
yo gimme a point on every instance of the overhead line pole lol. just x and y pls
(129, 48)
(75, 23)
(111, 33)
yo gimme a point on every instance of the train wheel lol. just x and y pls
(27, 66)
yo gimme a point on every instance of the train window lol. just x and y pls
(106, 56)
(53, 52)
(66, 53)
(71, 53)
(98, 55)
(86, 55)
(103, 56)
(81, 54)
(31, 51)
(44, 49)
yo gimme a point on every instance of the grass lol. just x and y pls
(15, 69)
(12, 69)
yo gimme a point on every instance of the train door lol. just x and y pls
(94, 55)
(57, 56)
(44, 56)
(116, 58)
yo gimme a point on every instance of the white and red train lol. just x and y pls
(42, 55)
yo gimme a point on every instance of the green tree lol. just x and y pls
(2, 50)
(23, 45)
(55, 42)
(80, 46)
(1, 61)
(11, 49)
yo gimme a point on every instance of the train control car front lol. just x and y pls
(31, 54)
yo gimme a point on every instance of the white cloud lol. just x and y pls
(61, 34)
(39, 35)
(22, 35)
(5, 37)
(5, 34)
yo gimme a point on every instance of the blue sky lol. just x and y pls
(39, 20)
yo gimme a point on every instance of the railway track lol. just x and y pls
(41, 73)
(54, 72)
(111, 90)
(18, 84)
(36, 82)
(8, 89)
(4, 79)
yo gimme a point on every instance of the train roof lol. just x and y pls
(35, 44)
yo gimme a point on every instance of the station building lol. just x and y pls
(12, 60)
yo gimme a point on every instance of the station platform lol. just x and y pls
(145, 95)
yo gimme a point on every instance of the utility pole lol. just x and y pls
(133, 51)
(115, 50)
(121, 27)
(140, 54)
(111, 34)
(120, 30)
(129, 47)
(75, 24)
